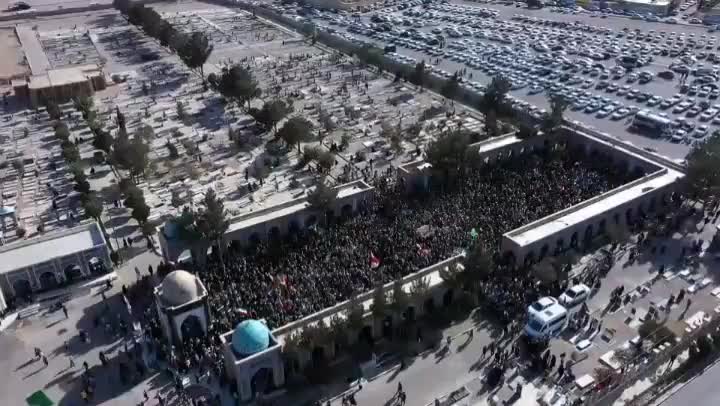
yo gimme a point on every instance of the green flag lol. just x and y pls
(39, 399)
(474, 234)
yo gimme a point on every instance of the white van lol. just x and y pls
(546, 319)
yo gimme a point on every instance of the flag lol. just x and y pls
(374, 261)
(474, 234)
(422, 250)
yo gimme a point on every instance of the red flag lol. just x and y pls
(374, 261)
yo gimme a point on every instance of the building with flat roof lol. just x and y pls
(60, 85)
(271, 222)
(656, 7)
(52, 260)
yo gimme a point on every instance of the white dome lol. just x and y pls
(180, 287)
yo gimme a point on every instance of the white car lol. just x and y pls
(708, 114)
(574, 296)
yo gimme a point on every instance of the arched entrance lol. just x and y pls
(318, 356)
(48, 280)
(73, 273)
(365, 336)
(387, 326)
(254, 239)
(262, 382)
(429, 306)
(544, 251)
(409, 314)
(603, 226)
(448, 297)
(346, 211)
(191, 327)
(588, 233)
(574, 240)
(22, 287)
(294, 227)
(310, 221)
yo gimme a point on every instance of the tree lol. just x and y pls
(310, 153)
(196, 52)
(135, 13)
(654, 331)
(121, 150)
(325, 161)
(180, 109)
(175, 199)
(419, 74)
(525, 131)
(491, 103)
(355, 313)
(83, 104)
(172, 150)
(61, 131)
(53, 110)
(141, 212)
(93, 207)
(165, 33)
(212, 221)
(448, 154)
(451, 87)
(120, 118)
(122, 5)
(419, 289)
(70, 152)
(400, 300)
(178, 40)
(272, 113)
(554, 118)
(379, 305)
(138, 157)
(81, 183)
(703, 170)
(102, 141)
(323, 197)
(370, 55)
(479, 266)
(295, 131)
(238, 84)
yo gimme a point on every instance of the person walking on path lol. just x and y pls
(45, 360)
(137, 273)
(65, 312)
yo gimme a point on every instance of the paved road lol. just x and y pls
(703, 390)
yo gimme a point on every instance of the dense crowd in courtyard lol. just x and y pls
(323, 266)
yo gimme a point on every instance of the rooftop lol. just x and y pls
(577, 214)
(50, 246)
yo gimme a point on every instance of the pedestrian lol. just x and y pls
(38, 353)
(484, 351)
(86, 366)
(137, 273)
(399, 388)
(64, 309)
(45, 360)
(145, 395)
(72, 362)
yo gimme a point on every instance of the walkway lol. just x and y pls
(38, 61)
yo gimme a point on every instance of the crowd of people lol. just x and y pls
(285, 281)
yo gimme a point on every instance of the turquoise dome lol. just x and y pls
(250, 337)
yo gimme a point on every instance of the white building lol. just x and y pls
(53, 260)
(181, 301)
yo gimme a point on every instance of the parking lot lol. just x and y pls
(607, 68)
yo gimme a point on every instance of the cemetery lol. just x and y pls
(366, 136)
